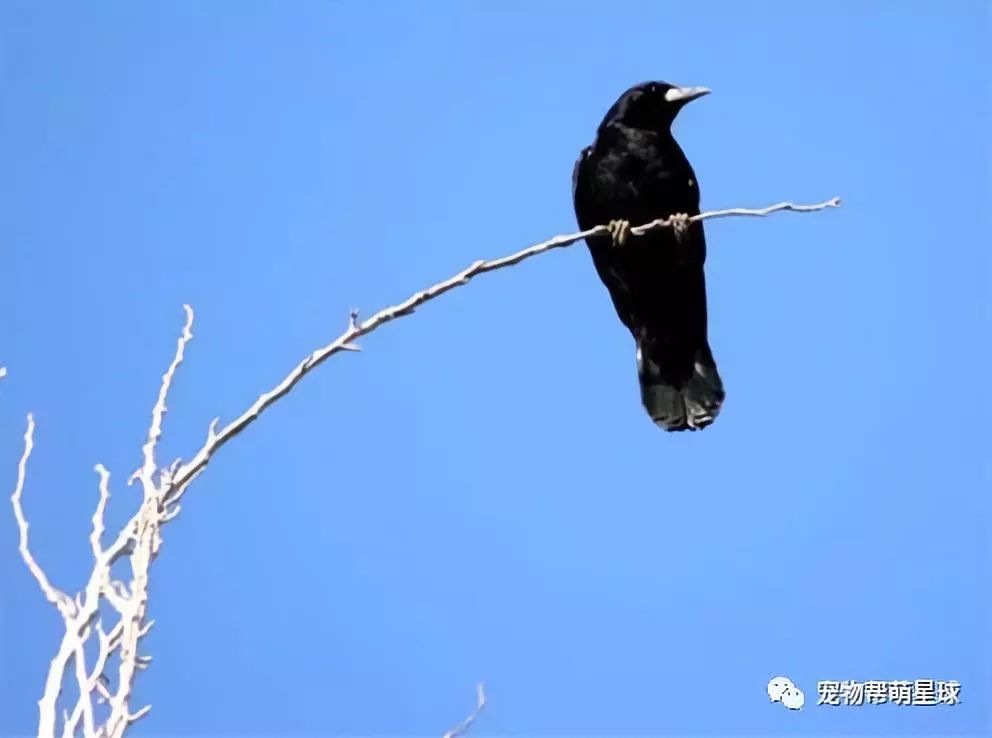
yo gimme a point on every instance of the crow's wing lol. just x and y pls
(604, 256)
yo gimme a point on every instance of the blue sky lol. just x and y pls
(479, 495)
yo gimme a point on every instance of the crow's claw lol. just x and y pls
(619, 231)
(680, 225)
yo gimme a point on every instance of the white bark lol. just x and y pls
(103, 708)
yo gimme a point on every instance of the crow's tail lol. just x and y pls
(680, 395)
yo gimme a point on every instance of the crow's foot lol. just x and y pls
(680, 225)
(619, 231)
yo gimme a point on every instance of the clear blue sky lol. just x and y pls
(479, 495)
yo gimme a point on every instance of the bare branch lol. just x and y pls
(85, 703)
(101, 507)
(140, 538)
(731, 212)
(464, 725)
(158, 412)
(101, 687)
(54, 595)
(108, 644)
(135, 717)
(356, 329)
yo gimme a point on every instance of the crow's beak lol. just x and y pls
(685, 94)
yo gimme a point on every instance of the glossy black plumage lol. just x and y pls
(636, 172)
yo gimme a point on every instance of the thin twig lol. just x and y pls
(355, 330)
(54, 595)
(148, 466)
(732, 212)
(101, 506)
(464, 725)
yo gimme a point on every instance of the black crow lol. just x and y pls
(633, 173)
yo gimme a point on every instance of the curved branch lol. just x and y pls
(53, 594)
(140, 537)
(355, 330)
(480, 704)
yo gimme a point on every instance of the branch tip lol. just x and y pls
(464, 725)
(136, 716)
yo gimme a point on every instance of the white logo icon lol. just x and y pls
(781, 689)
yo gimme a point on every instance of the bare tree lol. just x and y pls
(103, 706)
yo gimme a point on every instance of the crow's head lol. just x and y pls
(651, 106)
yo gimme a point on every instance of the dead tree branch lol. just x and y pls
(355, 330)
(103, 708)
(480, 704)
